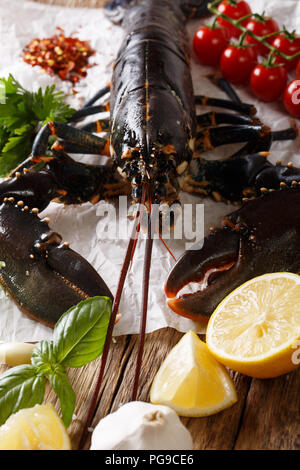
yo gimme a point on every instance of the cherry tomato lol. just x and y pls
(291, 98)
(289, 44)
(237, 62)
(209, 43)
(261, 27)
(298, 70)
(267, 82)
(235, 10)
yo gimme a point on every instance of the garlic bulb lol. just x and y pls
(141, 426)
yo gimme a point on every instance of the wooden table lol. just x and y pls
(266, 416)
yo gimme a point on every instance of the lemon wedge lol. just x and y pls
(191, 381)
(255, 330)
(36, 428)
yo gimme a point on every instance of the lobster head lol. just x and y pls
(152, 101)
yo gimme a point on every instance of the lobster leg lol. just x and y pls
(39, 180)
(88, 111)
(214, 119)
(261, 145)
(224, 85)
(229, 180)
(102, 92)
(77, 182)
(101, 125)
(243, 108)
(208, 139)
(73, 147)
(286, 134)
(71, 134)
(237, 177)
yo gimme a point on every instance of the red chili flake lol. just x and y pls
(67, 57)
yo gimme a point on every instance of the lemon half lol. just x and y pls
(256, 329)
(191, 381)
(36, 428)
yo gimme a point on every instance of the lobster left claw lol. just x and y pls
(262, 236)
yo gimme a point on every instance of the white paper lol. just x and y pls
(20, 22)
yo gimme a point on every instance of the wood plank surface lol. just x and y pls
(266, 416)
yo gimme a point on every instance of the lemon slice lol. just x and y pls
(256, 329)
(191, 381)
(37, 428)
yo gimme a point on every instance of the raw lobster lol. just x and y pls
(154, 136)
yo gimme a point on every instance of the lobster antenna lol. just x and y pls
(164, 243)
(112, 320)
(139, 218)
(146, 277)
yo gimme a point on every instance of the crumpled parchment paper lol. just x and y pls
(82, 226)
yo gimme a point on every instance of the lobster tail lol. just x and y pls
(115, 10)
(194, 8)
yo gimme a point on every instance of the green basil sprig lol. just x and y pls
(78, 338)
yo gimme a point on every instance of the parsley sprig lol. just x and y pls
(22, 113)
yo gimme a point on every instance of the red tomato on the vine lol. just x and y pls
(289, 44)
(237, 62)
(235, 10)
(291, 98)
(209, 43)
(260, 27)
(268, 82)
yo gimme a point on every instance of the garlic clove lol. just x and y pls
(141, 426)
(14, 354)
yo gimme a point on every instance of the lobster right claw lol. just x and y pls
(42, 275)
(262, 236)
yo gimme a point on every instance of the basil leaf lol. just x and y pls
(60, 383)
(79, 335)
(44, 360)
(42, 356)
(20, 387)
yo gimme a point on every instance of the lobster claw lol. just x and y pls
(262, 236)
(218, 254)
(42, 275)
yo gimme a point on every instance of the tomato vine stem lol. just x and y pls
(212, 7)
